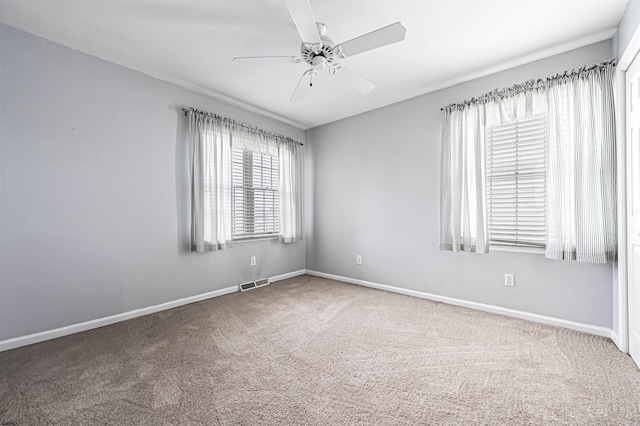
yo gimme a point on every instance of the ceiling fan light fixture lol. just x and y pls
(319, 63)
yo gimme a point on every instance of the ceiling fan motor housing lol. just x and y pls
(308, 52)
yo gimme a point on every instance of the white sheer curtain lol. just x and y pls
(462, 180)
(581, 217)
(253, 140)
(290, 175)
(581, 185)
(463, 214)
(210, 167)
(290, 181)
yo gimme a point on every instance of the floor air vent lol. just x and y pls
(254, 284)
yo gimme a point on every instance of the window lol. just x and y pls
(516, 183)
(255, 194)
(245, 183)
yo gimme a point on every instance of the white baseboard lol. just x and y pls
(30, 339)
(287, 275)
(592, 329)
(618, 342)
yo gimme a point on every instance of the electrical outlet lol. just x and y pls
(254, 261)
(509, 280)
(359, 259)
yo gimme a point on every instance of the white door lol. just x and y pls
(632, 87)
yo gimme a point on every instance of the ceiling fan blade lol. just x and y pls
(302, 16)
(378, 38)
(302, 88)
(355, 80)
(269, 59)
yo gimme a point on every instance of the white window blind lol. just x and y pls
(516, 182)
(255, 194)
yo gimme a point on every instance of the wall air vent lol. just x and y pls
(247, 286)
(262, 282)
(254, 284)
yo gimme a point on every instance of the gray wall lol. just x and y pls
(376, 193)
(627, 27)
(94, 195)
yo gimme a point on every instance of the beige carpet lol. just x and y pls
(314, 351)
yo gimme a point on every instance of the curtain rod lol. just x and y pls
(240, 124)
(530, 85)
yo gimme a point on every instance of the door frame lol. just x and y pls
(621, 338)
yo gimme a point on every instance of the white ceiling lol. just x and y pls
(192, 42)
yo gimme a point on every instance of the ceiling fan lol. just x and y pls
(320, 52)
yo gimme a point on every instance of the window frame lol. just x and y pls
(270, 205)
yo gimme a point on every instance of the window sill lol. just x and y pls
(251, 239)
(518, 249)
